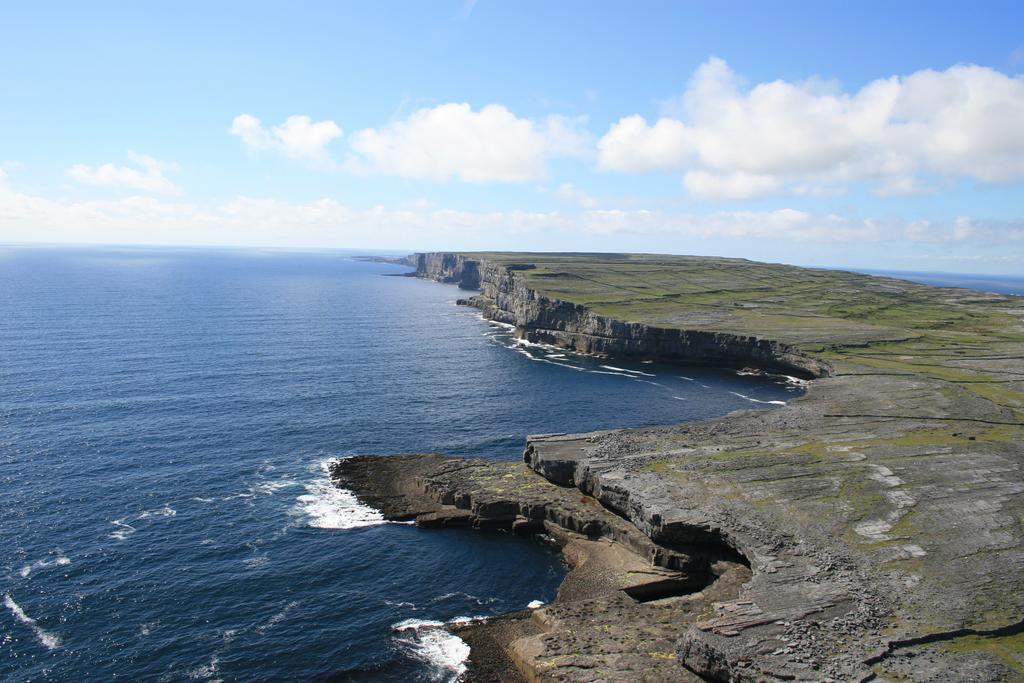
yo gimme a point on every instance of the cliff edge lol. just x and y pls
(869, 529)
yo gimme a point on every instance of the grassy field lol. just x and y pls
(969, 338)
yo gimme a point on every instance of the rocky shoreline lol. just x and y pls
(869, 529)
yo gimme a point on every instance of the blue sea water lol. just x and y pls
(166, 417)
(999, 284)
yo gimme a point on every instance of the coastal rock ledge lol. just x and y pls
(868, 530)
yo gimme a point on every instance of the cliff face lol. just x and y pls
(505, 298)
(452, 268)
(871, 527)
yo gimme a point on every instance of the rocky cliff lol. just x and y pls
(868, 530)
(506, 298)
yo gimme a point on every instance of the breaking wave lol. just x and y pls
(327, 506)
(46, 639)
(429, 642)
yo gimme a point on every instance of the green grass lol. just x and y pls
(877, 322)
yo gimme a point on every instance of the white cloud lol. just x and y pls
(632, 145)
(568, 136)
(299, 137)
(569, 193)
(146, 176)
(328, 223)
(453, 140)
(729, 186)
(794, 137)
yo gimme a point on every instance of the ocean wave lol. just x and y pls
(60, 561)
(757, 400)
(266, 488)
(165, 511)
(46, 639)
(125, 529)
(613, 374)
(627, 370)
(526, 352)
(270, 487)
(206, 672)
(327, 506)
(429, 642)
(464, 596)
(255, 562)
(402, 603)
(277, 618)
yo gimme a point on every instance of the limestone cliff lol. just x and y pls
(869, 530)
(506, 298)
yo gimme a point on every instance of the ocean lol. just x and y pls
(167, 416)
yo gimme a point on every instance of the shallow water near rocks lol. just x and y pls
(167, 416)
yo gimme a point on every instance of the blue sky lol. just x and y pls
(868, 135)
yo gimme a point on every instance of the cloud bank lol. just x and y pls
(299, 137)
(780, 137)
(146, 176)
(452, 140)
(328, 223)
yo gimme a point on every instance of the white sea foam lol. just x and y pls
(277, 618)
(755, 400)
(429, 642)
(465, 596)
(534, 604)
(207, 672)
(327, 506)
(123, 530)
(525, 352)
(165, 511)
(632, 372)
(48, 640)
(413, 624)
(271, 486)
(392, 603)
(42, 564)
(613, 374)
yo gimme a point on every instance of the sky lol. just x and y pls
(862, 135)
